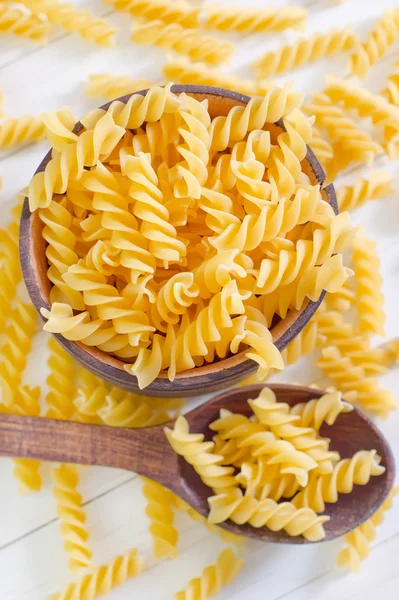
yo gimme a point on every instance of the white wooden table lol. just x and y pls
(32, 561)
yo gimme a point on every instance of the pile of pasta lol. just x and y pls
(175, 238)
(273, 468)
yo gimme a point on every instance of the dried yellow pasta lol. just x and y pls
(253, 20)
(367, 104)
(10, 272)
(368, 280)
(72, 516)
(60, 382)
(377, 185)
(179, 11)
(302, 345)
(159, 509)
(380, 38)
(104, 578)
(347, 472)
(212, 578)
(19, 23)
(304, 51)
(72, 19)
(190, 42)
(24, 130)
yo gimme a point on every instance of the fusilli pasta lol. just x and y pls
(60, 382)
(377, 185)
(177, 12)
(304, 51)
(212, 578)
(72, 516)
(190, 42)
(113, 86)
(380, 38)
(252, 20)
(102, 579)
(72, 19)
(369, 296)
(14, 132)
(159, 510)
(17, 22)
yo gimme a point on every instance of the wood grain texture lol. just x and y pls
(147, 452)
(211, 377)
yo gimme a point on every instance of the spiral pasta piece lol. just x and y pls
(322, 148)
(200, 455)
(71, 19)
(24, 130)
(178, 12)
(252, 20)
(357, 542)
(159, 509)
(348, 138)
(60, 251)
(346, 473)
(304, 344)
(72, 516)
(190, 42)
(263, 480)
(391, 92)
(10, 272)
(19, 23)
(175, 296)
(212, 578)
(380, 38)
(131, 411)
(377, 185)
(102, 579)
(226, 536)
(369, 296)
(192, 172)
(320, 410)
(182, 70)
(80, 327)
(307, 254)
(367, 104)
(242, 509)
(155, 226)
(16, 348)
(274, 105)
(283, 424)
(60, 382)
(304, 51)
(113, 86)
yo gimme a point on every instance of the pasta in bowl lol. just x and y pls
(176, 239)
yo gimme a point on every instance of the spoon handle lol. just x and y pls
(144, 451)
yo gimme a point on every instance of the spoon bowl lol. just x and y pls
(147, 452)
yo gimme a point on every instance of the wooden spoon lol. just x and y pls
(147, 452)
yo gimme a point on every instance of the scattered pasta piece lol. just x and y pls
(252, 20)
(103, 579)
(72, 19)
(72, 516)
(190, 42)
(304, 51)
(377, 185)
(10, 272)
(212, 578)
(159, 510)
(60, 382)
(24, 130)
(369, 296)
(19, 23)
(179, 11)
(367, 104)
(357, 542)
(380, 38)
(302, 345)
(114, 86)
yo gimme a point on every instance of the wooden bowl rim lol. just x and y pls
(195, 381)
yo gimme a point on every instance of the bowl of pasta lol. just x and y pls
(178, 238)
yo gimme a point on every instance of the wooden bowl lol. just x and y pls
(214, 376)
